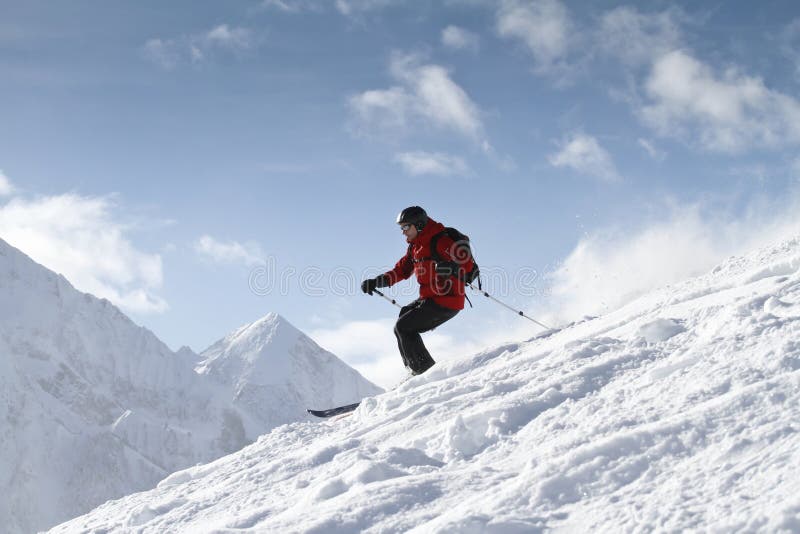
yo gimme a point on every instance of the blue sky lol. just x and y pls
(162, 154)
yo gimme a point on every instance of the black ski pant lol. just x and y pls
(422, 315)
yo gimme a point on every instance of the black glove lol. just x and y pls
(446, 268)
(369, 285)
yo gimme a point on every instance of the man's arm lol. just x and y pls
(402, 270)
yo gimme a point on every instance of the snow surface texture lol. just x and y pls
(95, 407)
(680, 411)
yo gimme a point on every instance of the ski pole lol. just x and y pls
(485, 294)
(387, 298)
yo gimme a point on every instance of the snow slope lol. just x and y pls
(94, 407)
(679, 411)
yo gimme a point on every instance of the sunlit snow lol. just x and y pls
(679, 411)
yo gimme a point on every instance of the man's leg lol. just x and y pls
(404, 310)
(418, 317)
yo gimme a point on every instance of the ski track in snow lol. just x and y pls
(679, 411)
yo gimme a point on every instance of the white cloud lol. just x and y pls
(348, 8)
(294, 6)
(418, 163)
(229, 251)
(6, 188)
(459, 39)
(584, 154)
(636, 38)
(354, 7)
(230, 38)
(169, 53)
(80, 238)
(729, 112)
(612, 267)
(384, 109)
(165, 54)
(651, 149)
(543, 26)
(437, 97)
(561, 49)
(426, 93)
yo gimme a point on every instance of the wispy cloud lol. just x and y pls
(354, 7)
(457, 38)
(426, 93)
(6, 188)
(229, 251)
(171, 52)
(348, 8)
(651, 149)
(636, 38)
(165, 54)
(224, 36)
(437, 97)
(680, 96)
(561, 47)
(583, 153)
(436, 163)
(80, 238)
(544, 27)
(294, 6)
(382, 109)
(727, 112)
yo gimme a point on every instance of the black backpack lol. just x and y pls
(462, 253)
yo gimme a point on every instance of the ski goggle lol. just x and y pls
(405, 227)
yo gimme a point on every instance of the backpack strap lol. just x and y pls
(409, 257)
(435, 256)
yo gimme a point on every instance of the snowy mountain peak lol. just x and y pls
(263, 341)
(262, 329)
(256, 353)
(270, 364)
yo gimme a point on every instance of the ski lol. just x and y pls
(334, 411)
(349, 408)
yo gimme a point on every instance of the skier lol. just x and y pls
(441, 288)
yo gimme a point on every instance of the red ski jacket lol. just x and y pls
(447, 292)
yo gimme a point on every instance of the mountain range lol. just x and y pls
(95, 407)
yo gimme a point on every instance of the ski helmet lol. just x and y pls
(413, 215)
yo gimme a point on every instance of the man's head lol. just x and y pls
(412, 220)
